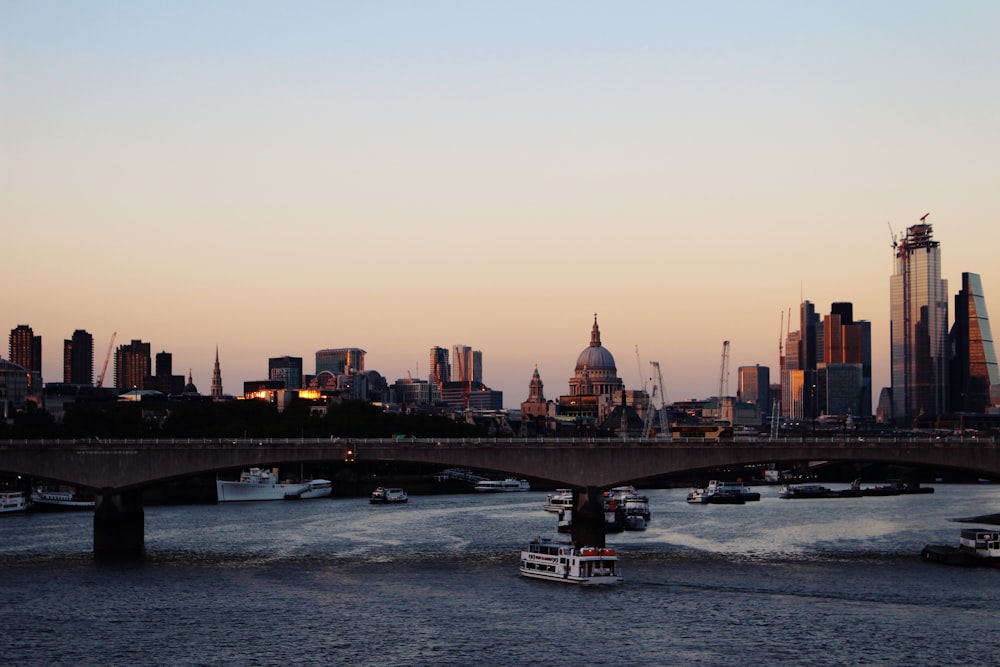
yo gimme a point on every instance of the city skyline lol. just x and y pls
(275, 182)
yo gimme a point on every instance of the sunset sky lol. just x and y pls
(274, 178)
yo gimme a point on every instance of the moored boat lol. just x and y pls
(12, 501)
(54, 500)
(976, 547)
(815, 491)
(502, 485)
(257, 484)
(729, 493)
(314, 488)
(387, 496)
(697, 496)
(562, 561)
(561, 499)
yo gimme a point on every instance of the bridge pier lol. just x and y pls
(588, 517)
(119, 525)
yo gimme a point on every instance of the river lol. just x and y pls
(435, 582)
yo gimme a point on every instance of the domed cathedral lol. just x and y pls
(594, 383)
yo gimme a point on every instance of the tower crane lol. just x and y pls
(104, 368)
(664, 421)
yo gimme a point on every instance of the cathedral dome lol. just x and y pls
(595, 357)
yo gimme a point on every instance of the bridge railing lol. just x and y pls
(412, 442)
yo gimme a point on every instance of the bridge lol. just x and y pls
(119, 469)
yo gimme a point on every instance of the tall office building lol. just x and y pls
(26, 348)
(26, 351)
(844, 374)
(461, 363)
(132, 365)
(918, 299)
(78, 358)
(974, 364)
(287, 369)
(439, 368)
(755, 386)
(341, 361)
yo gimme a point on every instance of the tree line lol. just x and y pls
(232, 419)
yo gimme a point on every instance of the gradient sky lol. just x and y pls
(276, 178)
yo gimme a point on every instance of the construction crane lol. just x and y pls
(723, 375)
(661, 412)
(104, 368)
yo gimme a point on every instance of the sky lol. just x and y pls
(271, 179)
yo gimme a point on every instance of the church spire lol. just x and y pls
(216, 377)
(595, 334)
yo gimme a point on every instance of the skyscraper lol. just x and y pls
(132, 365)
(26, 348)
(78, 358)
(439, 368)
(26, 351)
(974, 364)
(918, 299)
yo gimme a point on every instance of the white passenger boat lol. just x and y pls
(976, 546)
(387, 496)
(256, 484)
(501, 485)
(314, 488)
(51, 500)
(697, 496)
(561, 561)
(560, 500)
(12, 501)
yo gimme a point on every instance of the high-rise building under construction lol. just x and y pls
(918, 300)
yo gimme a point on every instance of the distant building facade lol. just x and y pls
(78, 358)
(287, 369)
(340, 361)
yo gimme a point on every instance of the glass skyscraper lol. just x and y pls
(918, 300)
(974, 364)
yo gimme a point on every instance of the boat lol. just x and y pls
(560, 500)
(257, 484)
(635, 515)
(697, 496)
(630, 500)
(729, 493)
(12, 501)
(387, 496)
(53, 500)
(502, 485)
(615, 519)
(314, 488)
(909, 488)
(562, 561)
(976, 547)
(815, 491)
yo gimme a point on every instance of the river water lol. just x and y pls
(435, 582)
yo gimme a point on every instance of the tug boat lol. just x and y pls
(562, 561)
(976, 547)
